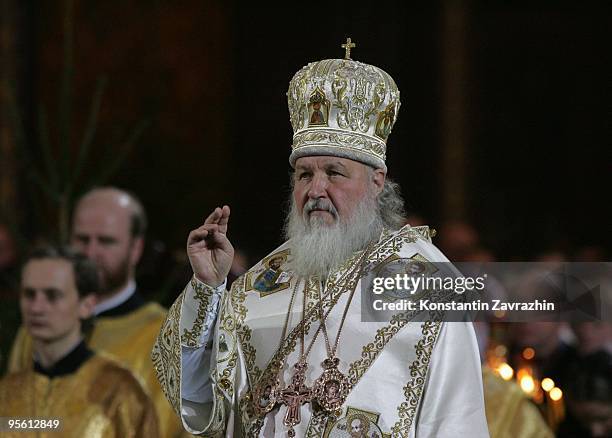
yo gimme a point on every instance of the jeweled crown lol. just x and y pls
(343, 108)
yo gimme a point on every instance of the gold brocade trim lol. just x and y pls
(233, 322)
(317, 424)
(243, 331)
(340, 140)
(418, 373)
(202, 293)
(372, 350)
(425, 232)
(166, 356)
(225, 376)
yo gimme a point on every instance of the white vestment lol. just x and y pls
(406, 378)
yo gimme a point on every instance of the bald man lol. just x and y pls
(109, 226)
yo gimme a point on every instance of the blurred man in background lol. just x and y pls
(109, 227)
(592, 337)
(90, 394)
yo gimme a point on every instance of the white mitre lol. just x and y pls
(343, 108)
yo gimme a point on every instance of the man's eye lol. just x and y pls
(52, 295)
(303, 175)
(82, 239)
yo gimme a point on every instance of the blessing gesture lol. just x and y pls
(209, 250)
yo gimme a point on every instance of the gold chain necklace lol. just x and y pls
(266, 393)
(331, 388)
(297, 393)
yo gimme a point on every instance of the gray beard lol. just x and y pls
(317, 248)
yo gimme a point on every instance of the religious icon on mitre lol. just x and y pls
(318, 108)
(385, 121)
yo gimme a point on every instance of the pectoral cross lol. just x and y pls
(347, 47)
(294, 396)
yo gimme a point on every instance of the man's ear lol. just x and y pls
(378, 178)
(86, 306)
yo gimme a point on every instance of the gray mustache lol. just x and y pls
(320, 204)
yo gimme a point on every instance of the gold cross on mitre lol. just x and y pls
(347, 47)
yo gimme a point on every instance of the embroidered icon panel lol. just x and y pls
(414, 266)
(271, 276)
(355, 424)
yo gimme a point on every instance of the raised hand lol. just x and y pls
(209, 250)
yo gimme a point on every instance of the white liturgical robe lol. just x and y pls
(223, 361)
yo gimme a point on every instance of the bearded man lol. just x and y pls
(91, 394)
(251, 362)
(108, 227)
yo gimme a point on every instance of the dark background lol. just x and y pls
(518, 91)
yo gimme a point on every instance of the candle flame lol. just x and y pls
(505, 371)
(528, 353)
(556, 394)
(527, 384)
(548, 384)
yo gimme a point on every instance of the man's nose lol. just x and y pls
(318, 187)
(90, 250)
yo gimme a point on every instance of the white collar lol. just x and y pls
(116, 299)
